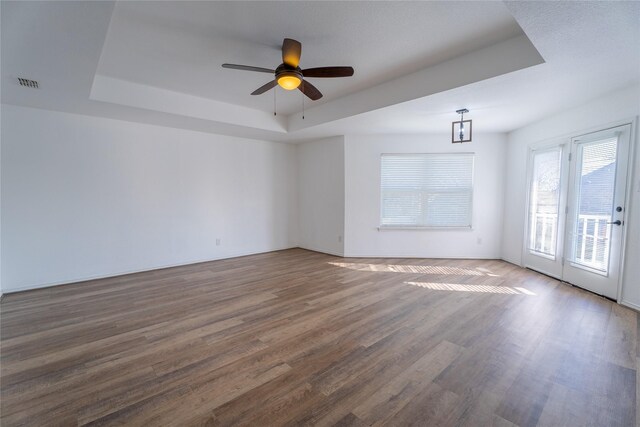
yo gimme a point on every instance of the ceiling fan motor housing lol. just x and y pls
(288, 77)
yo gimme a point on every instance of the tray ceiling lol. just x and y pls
(415, 62)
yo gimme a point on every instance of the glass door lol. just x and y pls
(546, 200)
(595, 210)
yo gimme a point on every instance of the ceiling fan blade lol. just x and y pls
(328, 72)
(310, 90)
(265, 87)
(291, 51)
(248, 68)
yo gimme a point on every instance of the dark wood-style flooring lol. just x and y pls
(301, 338)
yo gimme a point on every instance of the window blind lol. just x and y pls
(426, 190)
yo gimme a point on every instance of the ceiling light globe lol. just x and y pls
(289, 81)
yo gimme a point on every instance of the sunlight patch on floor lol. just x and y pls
(457, 287)
(414, 269)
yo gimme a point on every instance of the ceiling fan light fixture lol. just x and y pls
(289, 80)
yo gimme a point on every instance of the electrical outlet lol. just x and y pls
(218, 241)
(479, 240)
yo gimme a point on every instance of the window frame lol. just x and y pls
(386, 227)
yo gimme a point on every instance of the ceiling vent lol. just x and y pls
(28, 83)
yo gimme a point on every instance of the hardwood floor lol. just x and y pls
(301, 338)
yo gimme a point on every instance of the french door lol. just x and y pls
(548, 172)
(577, 209)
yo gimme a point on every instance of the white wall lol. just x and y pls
(86, 197)
(601, 113)
(1, 288)
(362, 195)
(321, 195)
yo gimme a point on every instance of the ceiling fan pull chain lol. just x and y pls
(274, 102)
(302, 99)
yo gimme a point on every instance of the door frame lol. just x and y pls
(565, 138)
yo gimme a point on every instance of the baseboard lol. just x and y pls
(631, 305)
(510, 261)
(124, 273)
(321, 250)
(417, 256)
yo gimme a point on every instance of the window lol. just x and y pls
(596, 168)
(544, 202)
(426, 190)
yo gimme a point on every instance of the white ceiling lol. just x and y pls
(168, 45)
(416, 62)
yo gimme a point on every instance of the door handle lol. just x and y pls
(616, 222)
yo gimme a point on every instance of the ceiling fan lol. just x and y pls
(290, 76)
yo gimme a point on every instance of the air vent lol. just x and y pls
(28, 83)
